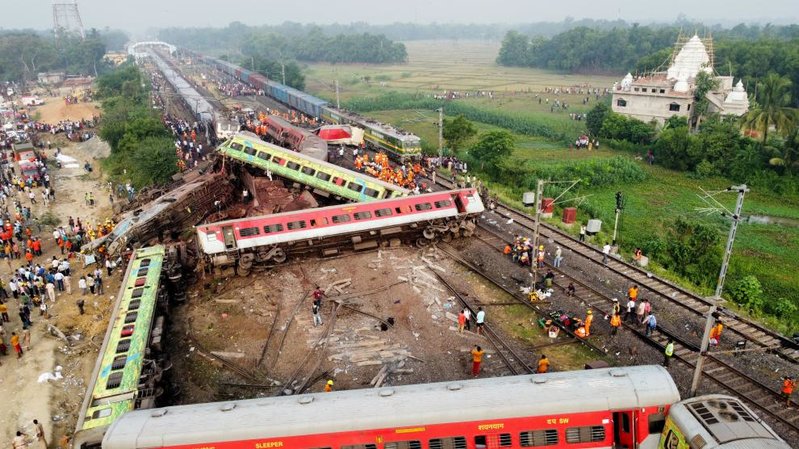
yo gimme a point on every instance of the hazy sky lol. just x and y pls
(143, 14)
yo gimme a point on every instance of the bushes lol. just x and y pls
(593, 173)
(617, 126)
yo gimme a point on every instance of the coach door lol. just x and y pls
(230, 238)
(624, 430)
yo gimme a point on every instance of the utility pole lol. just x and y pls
(283, 69)
(440, 134)
(539, 198)
(736, 217)
(619, 207)
(338, 102)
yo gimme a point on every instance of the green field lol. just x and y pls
(766, 251)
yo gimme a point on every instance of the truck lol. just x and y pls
(32, 100)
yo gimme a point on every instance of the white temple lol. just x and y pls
(660, 95)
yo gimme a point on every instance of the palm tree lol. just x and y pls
(773, 94)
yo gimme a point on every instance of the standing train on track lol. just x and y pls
(399, 144)
(326, 179)
(270, 238)
(627, 407)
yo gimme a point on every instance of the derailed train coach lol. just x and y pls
(401, 145)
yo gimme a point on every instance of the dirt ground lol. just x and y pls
(233, 317)
(56, 403)
(55, 110)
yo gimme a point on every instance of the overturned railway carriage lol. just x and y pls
(270, 238)
(399, 144)
(126, 374)
(717, 422)
(576, 410)
(325, 178)
(295, 138)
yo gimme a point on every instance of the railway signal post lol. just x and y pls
(736, 217)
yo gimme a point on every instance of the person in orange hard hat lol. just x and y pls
(329, 386)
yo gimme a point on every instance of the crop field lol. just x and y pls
(439, 66)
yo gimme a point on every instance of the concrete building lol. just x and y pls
(663, 94)
(49, 78)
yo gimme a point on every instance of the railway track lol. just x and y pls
(512, 360)
(716, 370)
(744, 328)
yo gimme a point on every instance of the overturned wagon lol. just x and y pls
(271, 238)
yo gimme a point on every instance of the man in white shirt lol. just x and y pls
(605, 253)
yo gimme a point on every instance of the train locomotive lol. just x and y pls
(269, 238)
(399, 144)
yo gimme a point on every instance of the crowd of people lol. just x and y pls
(404, 175)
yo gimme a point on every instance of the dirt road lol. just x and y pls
(55, 404)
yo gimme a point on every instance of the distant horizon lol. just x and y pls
(149, 15)
(510, 25)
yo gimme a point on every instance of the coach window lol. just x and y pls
(448, 443)
(264, 156)
(423, 206)
(383, 212)
(236, 146)
(123, 346)
(119, 362)
(114, 380)
(293, 165)
(443, 203)
(322, 221)
(354, 187)
(492, 441)
(249, 150)
(323, 176)
(341, 218)
(246, 232)
(414, 444)
(360, 446)
(296, 224)
(371, 192)
(338, 181)
(273, 228)
(585, 434)
(278, 161)
(536, 438)
(308, 171)
(365, 215)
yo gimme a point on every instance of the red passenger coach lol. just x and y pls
(264, 238)
(603, 408)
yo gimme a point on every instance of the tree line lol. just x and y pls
(25, 53)
(142, 150)
(748, 52)
(309, 44)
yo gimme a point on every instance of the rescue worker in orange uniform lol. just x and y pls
(329, 386)
(615, 323)
(589, 318)
(788, 384)
(543, 365)
(715, 333)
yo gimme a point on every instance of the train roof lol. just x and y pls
(723, 422)
(196, 102)
(493, 398)
(246, 135)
